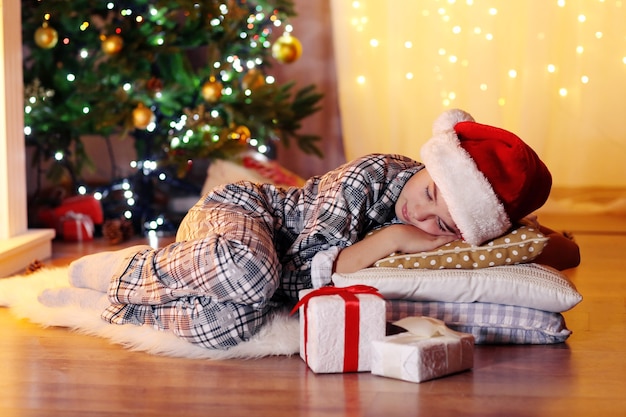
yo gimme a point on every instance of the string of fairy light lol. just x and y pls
(191, 122)
(447, 13)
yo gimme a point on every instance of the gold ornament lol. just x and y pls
(142, 116)
(46, 37)
(240, 133)
(287, 49)
(212, 90)
(253, 79)
(112, 44)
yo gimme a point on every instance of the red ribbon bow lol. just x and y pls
(353, 318)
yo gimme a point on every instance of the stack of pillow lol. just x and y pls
(493, 291)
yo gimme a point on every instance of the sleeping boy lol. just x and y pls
(245, 249)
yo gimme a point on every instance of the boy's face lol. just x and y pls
(421, 205)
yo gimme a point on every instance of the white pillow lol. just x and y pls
(525, 285)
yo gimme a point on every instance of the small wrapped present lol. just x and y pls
(76, 227)
(428, 350)
(84, 204)
(337, 326)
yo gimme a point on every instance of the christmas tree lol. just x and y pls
(183, 79)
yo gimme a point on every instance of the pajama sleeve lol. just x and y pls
(337, 210)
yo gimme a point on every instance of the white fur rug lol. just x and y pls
(20, 294)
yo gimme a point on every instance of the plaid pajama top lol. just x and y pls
(245, 246)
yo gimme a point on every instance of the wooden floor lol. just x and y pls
(53, 372)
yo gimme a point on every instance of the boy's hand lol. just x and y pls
(395, 238)
(410, 239)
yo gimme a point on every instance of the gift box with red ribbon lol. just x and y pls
(427, 350)
(76, 227)
(80, 204)
(337, 326)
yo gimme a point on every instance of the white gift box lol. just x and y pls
(337, 326)
(428, 350)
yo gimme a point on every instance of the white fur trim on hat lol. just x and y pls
(447, 120)
(472, 202)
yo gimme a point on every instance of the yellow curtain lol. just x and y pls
(554, 72)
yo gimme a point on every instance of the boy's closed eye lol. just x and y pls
(432, 196)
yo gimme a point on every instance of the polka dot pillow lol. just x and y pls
(520, 245)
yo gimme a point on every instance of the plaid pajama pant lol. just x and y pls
(212, 287)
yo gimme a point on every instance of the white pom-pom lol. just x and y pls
(448, 119)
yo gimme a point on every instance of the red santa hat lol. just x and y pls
(488, 176)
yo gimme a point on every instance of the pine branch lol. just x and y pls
(170, 49)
